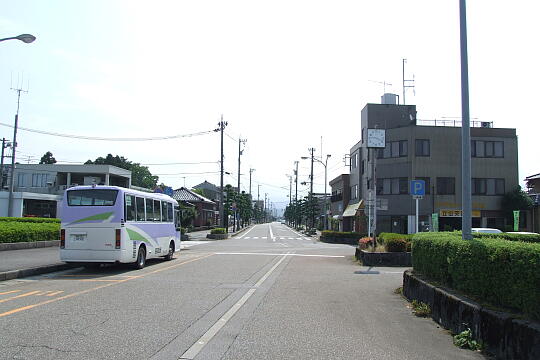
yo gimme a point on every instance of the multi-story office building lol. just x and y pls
(431, 151)
(38, 188)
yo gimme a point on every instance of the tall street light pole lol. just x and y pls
(26, 38)
(325, 164)
(466, 198)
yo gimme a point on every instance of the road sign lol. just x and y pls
(418, 187)
(420, 197)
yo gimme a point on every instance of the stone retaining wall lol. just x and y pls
(503, 334)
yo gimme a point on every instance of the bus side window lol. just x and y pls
(170, 212)
(149, 210)
(129, 209)
(139, 202)
(164, 212)
(157, 210)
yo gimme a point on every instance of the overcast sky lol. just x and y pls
(282, 73)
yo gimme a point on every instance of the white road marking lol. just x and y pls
(277, 254)
(194, 350)
(187, 244)
(271, 233)
(244, 234)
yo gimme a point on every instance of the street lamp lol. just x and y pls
(26, 38)
(325, 163)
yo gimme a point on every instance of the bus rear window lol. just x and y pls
(97, 197)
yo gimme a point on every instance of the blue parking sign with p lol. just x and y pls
(418, 187)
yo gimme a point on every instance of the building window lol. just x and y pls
(481, 149)
(392, 186)
(39, 180)
(427, 184)
(487, 186)
(354, 160)
(354, 192)
(363, 166)
(446, 186)
(21, 180)
(422, 147)
(393, 149)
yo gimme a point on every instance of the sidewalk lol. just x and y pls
(29, 262)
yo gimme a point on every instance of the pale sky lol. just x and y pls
(282, 73)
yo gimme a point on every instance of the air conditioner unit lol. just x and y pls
(485, 124)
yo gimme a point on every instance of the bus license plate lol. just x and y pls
(78, 237)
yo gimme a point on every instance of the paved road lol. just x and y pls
(268, 294)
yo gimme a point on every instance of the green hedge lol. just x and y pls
(383, 237)
(509, 236)
(342, 234)
(217, 231)
(31, 219)
(15, 231)
(396, 245)
(503, 273)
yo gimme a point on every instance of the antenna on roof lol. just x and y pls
(384, 83)
(407, 83)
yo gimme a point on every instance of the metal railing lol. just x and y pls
(453, 123)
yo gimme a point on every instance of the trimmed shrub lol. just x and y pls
(341, 234)
(30, 219)
(14, 231)
(503, 273)
(219, 231)
(395, 245)
(510, 236)
(387, 236)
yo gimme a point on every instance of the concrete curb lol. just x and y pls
(21, 273)
(28, 245)
(503, 334)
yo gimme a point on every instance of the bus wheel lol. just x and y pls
(170, 254)
(141, 258)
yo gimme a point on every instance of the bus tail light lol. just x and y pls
(118, 239)
(62, 238)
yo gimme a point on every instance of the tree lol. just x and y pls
(516, 199)
(140, 175)
(47, 158)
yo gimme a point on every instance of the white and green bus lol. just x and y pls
(111, 224)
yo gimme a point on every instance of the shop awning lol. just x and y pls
(352, 208)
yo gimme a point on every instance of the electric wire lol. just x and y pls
(82, 137)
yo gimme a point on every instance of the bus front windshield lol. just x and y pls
(92, 197)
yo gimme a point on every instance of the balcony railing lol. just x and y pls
(453, 123)
(335, 198)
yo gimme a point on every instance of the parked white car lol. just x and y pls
(486, 230)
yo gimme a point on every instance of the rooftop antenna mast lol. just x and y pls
(384, 83)
(407, 83)
(19, 89)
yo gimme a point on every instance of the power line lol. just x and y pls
(112, 138)
(189, 173)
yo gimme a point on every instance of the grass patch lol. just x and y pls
(420, 309)
(465, 341)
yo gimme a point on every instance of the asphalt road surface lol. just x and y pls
(270, 293)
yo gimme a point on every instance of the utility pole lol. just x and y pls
(311, 150)
(250, 197)
(240, 152)
(265, 196)
(258, 190)
(2, 165)
(250, 172)
(221, 127)
(296, 221)
(13, 148)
